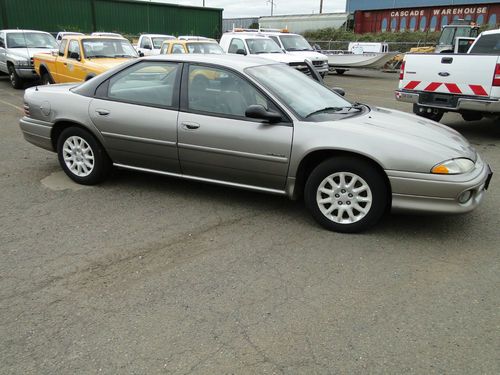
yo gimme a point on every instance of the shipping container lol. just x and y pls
(304, 22)
(127, 17)
(424, 18)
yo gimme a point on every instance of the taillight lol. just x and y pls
(496, 76)
(402, 71)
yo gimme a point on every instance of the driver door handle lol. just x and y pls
(102, 112)
(190, 125)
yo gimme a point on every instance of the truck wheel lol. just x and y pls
(472, 116)
(15, 81)
(346, 194)
(46, 79)
(340, 71)
(434, 114)
(82, 157)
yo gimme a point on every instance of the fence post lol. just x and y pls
(92, 12)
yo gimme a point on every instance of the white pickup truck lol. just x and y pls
(150, 44)
(465, 83)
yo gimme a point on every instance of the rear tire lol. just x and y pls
(340, 71)
(434, 114)
(15, 81)
(46, 79)
(82, 157)
(346, 194)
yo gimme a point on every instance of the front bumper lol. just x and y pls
(478, 104)
(428, 193)
(26, 72)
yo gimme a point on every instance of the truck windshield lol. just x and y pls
(158, 41)
(487, 45)
(108, 48)
(306, 97)
(212, 48)
(30, 40)
(256, 46)
(295, 43)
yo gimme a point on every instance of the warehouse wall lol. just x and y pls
(125, 16)
(354, 5)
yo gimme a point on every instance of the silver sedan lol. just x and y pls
(255, 124)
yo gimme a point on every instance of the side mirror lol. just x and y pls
(339, 90)
(241, 52)
(258, 111)
(141, 54)
(147, 46)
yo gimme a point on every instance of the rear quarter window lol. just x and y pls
(487, 45)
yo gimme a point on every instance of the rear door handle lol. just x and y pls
(102, 112)
(190, 125)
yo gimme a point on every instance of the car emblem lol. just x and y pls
(444, 74)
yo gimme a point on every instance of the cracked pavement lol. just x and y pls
(152, 275)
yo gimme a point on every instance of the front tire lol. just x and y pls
(46, 79)
(472, 116)
(346, 194)
(82, 157)
(340, 71)
(15, 80)
(434, 114)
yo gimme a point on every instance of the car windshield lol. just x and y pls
(303, 95)
(31, 40)
(158, 41)
(212, 48)
(295, 43)
(108, 48)
(262, 45)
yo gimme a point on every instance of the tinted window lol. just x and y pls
(148, 83)
(236, 44)
(62, 47)
(488, 45)
(74, 50)
(221, 92)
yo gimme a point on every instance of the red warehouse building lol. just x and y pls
(424, 18)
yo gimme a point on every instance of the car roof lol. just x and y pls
(23, 31)
(235, 61)
(249, 35)
(190, 41)
(82, 37)
(497, 31)
(158, 35)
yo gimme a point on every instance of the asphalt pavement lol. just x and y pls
(152, 275)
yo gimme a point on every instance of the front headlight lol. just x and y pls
(23, 63)
(453, 166)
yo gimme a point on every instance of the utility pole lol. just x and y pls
(320, 6)
(273, 4)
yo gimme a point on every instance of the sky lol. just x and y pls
(255, 8)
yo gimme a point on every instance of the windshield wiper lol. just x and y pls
(334, 109)
(124, 56)
(98, 56)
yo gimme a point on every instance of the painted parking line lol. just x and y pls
(12, 105)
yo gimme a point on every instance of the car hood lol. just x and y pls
(102, 64)
(27, 53)
(281, 57)
(311, 55)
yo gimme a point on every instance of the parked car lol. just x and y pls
(150, 44)
(62, 34)
(468, 84)
(244, 43)
(191, 45)
(81, 58)
(17, 48)
(256, 125)
(297, 45)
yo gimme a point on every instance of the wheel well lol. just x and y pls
(313, 159)
(59, 127)
(43, 69)
(9, 63)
